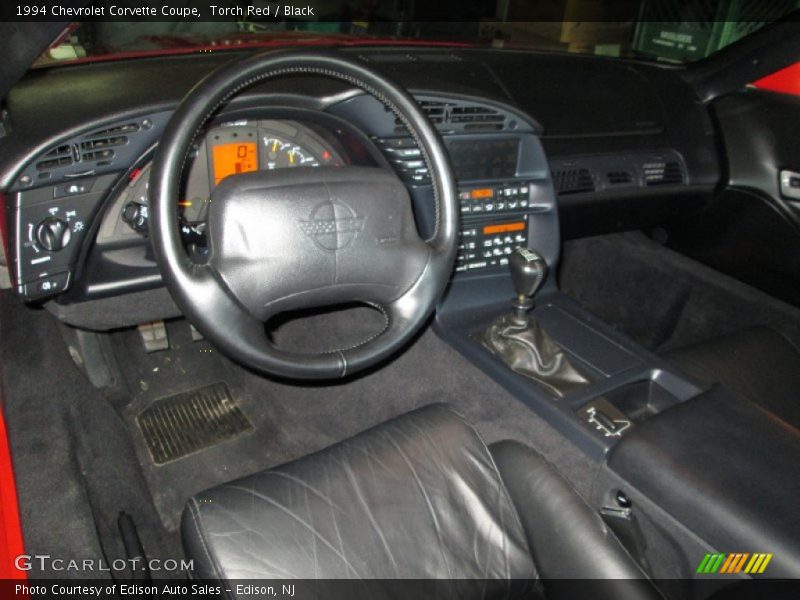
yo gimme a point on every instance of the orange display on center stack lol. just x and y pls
(230, 159)
(504, 228)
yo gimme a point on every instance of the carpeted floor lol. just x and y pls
(663, 299)
(74, 461)
(80, 461)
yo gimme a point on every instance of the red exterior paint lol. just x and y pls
(785, 81)
(11, 544)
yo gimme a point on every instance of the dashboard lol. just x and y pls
(530, 167)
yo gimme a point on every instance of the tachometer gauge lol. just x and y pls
(281, 154)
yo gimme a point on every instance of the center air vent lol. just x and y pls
(463, 116)
(573, 181)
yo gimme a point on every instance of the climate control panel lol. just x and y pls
(500, 198)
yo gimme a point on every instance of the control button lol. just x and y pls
(412, 164)
(47, 286)
(135, 215)
(73, 188)
(53, 234)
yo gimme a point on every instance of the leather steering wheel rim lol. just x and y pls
(203, 292)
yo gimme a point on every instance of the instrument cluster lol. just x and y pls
(228, 149)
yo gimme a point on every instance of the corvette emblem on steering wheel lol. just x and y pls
(332, 226)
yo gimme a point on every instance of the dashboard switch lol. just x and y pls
(135, 215)
(46, 286)
(53, 234)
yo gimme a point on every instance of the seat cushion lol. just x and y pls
(758, 364)
(416, 497)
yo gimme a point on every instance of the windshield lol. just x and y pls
(677, 32)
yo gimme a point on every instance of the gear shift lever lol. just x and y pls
(520, 341)
(528, 272)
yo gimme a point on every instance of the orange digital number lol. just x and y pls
(230, 159)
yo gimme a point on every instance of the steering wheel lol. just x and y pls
(303, 238)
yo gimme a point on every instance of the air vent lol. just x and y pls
(662, 173)
(619, 177)
(469, 117)
(573, 181)
(477, 117)
(57, 157)
(100, 145)
(118, 130)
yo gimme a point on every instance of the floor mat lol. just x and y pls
(192, 421)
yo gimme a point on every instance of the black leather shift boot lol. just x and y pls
(527, 349)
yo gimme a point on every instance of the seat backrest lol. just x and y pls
(416, 497)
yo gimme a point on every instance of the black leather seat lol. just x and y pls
(758, 364)
(420, 496)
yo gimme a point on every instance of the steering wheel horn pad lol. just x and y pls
(301, 238)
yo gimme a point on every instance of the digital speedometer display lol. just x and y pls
(233, 158)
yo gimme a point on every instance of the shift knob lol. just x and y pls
(528, 271)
